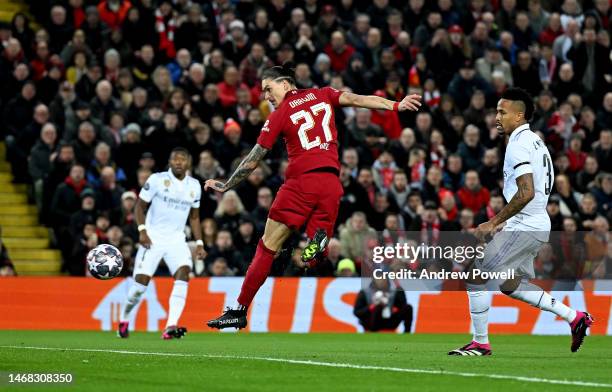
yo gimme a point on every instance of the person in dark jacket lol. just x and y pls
(39, 163)
(87, 213)
(464, 83)
(224, 247)
(66, 201)
(591, 62)
(383, 307)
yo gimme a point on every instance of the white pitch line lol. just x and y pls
(328, 364)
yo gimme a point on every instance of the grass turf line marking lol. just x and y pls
(326, 364)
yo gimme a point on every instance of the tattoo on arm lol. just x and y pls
(523, 196)
(246, 166)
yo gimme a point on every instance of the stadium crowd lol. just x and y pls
(96, 96)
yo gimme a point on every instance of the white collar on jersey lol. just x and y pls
(173, 177)
(519, 129)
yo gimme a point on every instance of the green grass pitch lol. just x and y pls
(310, 362)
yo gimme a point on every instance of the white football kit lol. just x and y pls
(170, 201)
(516, 246)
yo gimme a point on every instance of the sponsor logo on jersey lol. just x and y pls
(146, 186)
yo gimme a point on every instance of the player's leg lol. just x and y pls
(179, 261)
(520, 288)
(146, 262)
(534, 295)
(479, 300)
(274, 236)
(320, 225)
(288, 212)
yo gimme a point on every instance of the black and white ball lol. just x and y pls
(104, 262)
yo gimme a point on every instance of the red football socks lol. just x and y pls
(256, 274)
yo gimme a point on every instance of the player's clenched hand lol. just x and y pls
(485, 229)
(144, 239)
(214, 184)
(200, 252)
(410, 102)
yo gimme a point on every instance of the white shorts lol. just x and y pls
(511, 250)
(175, 255)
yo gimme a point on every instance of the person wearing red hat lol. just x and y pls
(310, 196)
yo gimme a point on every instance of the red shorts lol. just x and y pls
(312, 199)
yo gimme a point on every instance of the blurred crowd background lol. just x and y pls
(95, 94)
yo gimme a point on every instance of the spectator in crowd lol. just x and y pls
(470, 149)
(568, 198)
(382, 306)
(224, 248)
(473, 195)
(464, 83)
(354, 236)
(41, 156)
(87, 213)
(346, 268)
(493, 207)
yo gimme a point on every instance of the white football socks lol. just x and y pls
(177, 302)
(535, 296)
(135, 292)
(480, 302)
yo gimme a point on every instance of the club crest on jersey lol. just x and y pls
(167, 183)
(265, 126)
(192, 194)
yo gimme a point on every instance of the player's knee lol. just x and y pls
(142, 279)
(509, 286)
(182, 273)
(274, 236)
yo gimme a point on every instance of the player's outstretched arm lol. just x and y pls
(524, 194)
(245, 168)
(410, 102)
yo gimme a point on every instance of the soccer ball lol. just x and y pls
(104, 262)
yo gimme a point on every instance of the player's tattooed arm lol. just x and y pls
(524, 194)
(246, 167)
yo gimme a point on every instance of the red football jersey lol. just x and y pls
(306, 120)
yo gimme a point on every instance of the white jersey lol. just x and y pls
(171, 200)
(527, 153)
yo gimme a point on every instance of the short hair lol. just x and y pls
(180, 150)
(281, 72)
(519, 95)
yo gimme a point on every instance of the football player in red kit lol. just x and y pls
(312, 190)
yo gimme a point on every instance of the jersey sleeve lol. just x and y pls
(149, 189)
(333, 95)
(270, 130)
(520, 159)
(198, 195)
